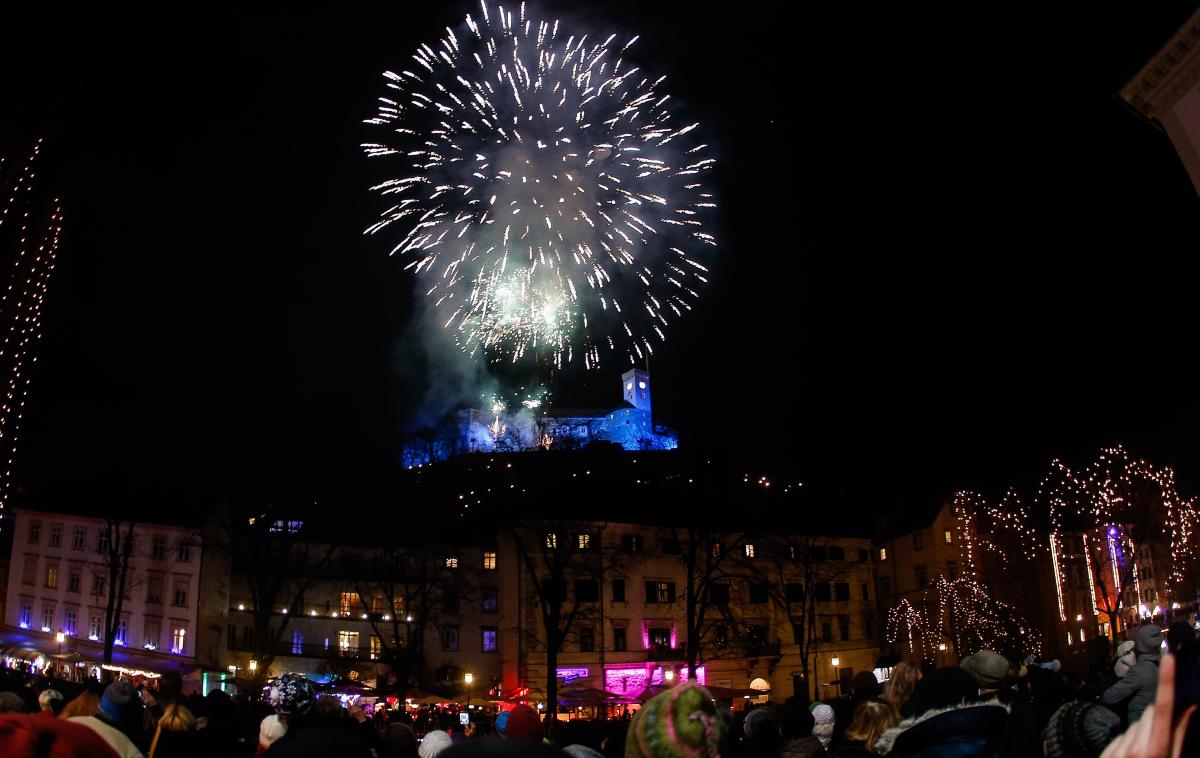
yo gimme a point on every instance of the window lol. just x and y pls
(56, 535)
(78, 538)
(718, 593)
(819, 553)
(866, 591)
(52, 576)
(158, 547)
(491, 599)
(104, 543)
(948, 536)
(551, 541)
(179, 597)
(450, 639)
(660, 592)
(587, 640)
(882, 554)
(26, 617)
(824, 592)
(864, 555)
(184, 551)
(178, 640)
(587, 591)
(297, 641)
(347, 643)
(151, 631)
(450, 599)
(671, 547)
(952, 570)
(379, 603)
(922, 576)
(844, 626)
(98, 582)
(30, 571)
(47, 618)
(451, 562)
(826, 631)
(35, 532)
(619, 639)
(583, 541)
(618, 590)
(758, 592)
(660, 638)
(231, 641)
(756, 638)
(748, 549)
(350, 603)
(841, 591)
(489, 560)
(73, 581)
(376, 649)
(94, 628)
(918, 541)
(631, 543)
(868, 625)
(721, 637)
(122, 636)
(837, 553)
(794, 592)
(490, 639)
(154, 589)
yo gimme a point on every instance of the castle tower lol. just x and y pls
(635, 386)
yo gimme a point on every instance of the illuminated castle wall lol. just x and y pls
(478, 431)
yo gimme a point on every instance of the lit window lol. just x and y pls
(94, 628)
(150, 635)
(749, 550)
(52, 576)
(347, 642)
(949, 536)
(376, 647)
(297, 642)
(585, 541)
(451, 563)
(883, 554)
(122, 636)
(489, 639)
(47, 619)
(70, 621)
(489, 560)
(349, 602)
(178, 635)
(551, 540)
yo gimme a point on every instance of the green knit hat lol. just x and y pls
(679, 723)
(1080, 730)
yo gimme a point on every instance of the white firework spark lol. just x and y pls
(551, 201)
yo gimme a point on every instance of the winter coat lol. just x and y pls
(1137, 686)
(969, 729)
(316, 738)
(802, 747)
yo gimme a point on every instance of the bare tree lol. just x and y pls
(116, 546)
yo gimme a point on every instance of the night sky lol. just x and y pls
(948, 251)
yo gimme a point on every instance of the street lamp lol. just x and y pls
(468, 679)
(59, 638)
(835, 661)
(253, 666)
(669, 675)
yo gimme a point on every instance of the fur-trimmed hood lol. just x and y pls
(971, 720)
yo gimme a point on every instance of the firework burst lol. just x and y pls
(551, 201)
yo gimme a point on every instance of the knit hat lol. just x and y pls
(1149, 640)
(434, 743)
(824, 719)
(120, 703)
(292, 695)
(987, 666)
(1080, 730)
(759, 722)
(679, 722)
(501, 723)
(581, 751)
(523, 724)
(1126, 658)
(271, 729)
(47, 699)
(399, 739)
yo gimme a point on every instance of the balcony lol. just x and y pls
(666, 654)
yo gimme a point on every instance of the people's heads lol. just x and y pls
(989, 669)
(796, 721)
(177, 718)
(327, 708)
(1179, 634)
(502, 723)
(824, 720)
(942, 688)
(864, 686)
(292, 695)
(1080, 730)
(11, 702)
(272, 728)
(680, 721)
(1126, 658)
(434, 743)
(871, 719)
(120, 705)
(898, 688)
(170, 687)
(523, 724)
(84, 705)
(399, 741)
(51, 700)
(1149, 640)
(761, 725)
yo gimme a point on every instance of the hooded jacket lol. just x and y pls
(1139, 683)
(968, 729)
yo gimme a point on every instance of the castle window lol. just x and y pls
(489, 560)
(749, 550)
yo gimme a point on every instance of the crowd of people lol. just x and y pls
(985, 706)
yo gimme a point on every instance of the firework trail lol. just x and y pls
(551, 202)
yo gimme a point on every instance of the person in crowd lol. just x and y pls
(84, 705)
(871, 719)
(1126, 659)
(523, 724)
(826, 720)
(118, 714)
(270, 729)
(316, 727)
(399, 741)
(1137, 687)
(683, 721)
(898, 689)
(761, 733)
(28, 734)
(796, 724)
(434, 744)
(11, 702)
(51, 701)
(1179, 634)
(1080, 730)
(175, 734)
(947, 720)
(990, 669)
(1160, 733)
